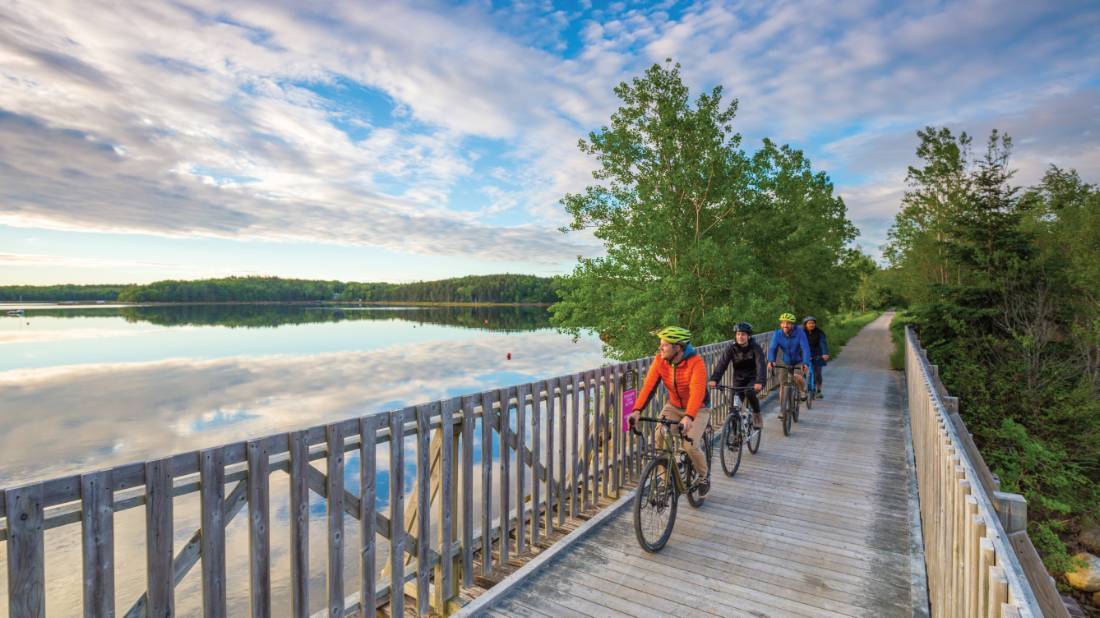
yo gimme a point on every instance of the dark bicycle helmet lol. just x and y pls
(743, 327)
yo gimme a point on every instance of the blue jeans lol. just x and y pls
(819, 367)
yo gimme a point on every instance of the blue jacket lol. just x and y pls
(796, 349)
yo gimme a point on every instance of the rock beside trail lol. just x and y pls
(1096, 599)
(1090, 538)
(1087, 577)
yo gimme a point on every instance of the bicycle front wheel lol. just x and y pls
(811, 388)
(754, 436)
(788, 409)
(695, 498)
(655, 505)
(731, 444)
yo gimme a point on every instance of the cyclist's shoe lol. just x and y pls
(704, 486)
(781, 416)
(757, 420)
(820, 394)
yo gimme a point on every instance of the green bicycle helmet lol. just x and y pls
(674, 334)
(787, 317)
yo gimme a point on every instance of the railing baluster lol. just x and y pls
(521, 467)
(551, 463)
(26, 555)
(504, 428)
(536, 455)
(563, 430)
(98, 535)
(334, 484)
(586, 430)
(599, 459)
(466, 499)
(397, 512)
(212, 472)
(445, 579)
(486, 483)
(299, 524)
(259, 528)
(368, 470)
(574, 446)
(158, 535)
(423, 507)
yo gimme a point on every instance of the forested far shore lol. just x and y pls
(481, 289)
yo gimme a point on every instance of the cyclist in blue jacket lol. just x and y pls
(819, 351)
(796, 353)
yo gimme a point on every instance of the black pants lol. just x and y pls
(746, 381)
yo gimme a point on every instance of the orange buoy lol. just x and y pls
(509, 356)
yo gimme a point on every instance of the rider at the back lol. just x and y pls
(748, 361)
(819, 351)
(796, 353)
(684, 373)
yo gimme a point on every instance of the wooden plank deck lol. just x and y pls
(820, 523)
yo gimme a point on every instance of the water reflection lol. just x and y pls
(508, 319)
(71, 406)
(114, 413)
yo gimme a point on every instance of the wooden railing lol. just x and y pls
(980, 560)
(564, 434)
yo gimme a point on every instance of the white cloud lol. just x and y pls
(192, 118)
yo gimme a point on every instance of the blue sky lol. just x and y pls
(416, 140)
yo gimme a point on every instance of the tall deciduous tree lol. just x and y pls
(696, 232)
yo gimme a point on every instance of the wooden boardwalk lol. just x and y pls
(819, 523)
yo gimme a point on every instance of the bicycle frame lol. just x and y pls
(788, 378)
(670, 449)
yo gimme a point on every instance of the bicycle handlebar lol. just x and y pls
(664, 421)
(735, 389)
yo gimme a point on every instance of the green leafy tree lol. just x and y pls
(917, 241)
(696, 232)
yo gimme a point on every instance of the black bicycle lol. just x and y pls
(737, 430)
(661, 485)
(788, 397)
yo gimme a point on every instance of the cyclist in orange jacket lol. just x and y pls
(684, 373)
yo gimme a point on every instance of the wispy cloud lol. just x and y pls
(361, 123)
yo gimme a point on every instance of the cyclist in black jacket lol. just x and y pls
(749, 368)
(819, 351)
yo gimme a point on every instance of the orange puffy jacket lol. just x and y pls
(686, 382)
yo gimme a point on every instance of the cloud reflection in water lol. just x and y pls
(116, 413)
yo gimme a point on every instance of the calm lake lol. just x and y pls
(86, 388)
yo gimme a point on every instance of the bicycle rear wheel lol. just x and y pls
(731, 444)
(655, 505)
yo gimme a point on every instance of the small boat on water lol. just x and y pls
(18, 313)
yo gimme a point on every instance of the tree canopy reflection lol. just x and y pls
(506, 319)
